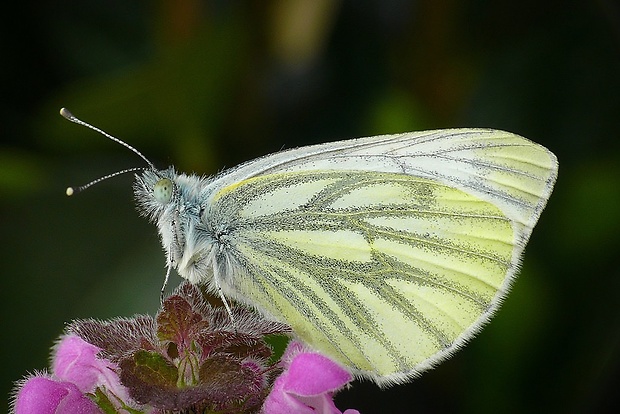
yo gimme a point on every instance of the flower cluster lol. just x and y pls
(192, 357)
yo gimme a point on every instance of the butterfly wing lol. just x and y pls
(385, 253)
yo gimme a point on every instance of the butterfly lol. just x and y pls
(386, 253)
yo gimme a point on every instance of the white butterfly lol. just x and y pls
(384, 253)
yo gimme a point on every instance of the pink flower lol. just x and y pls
(190, 357)
(43, 395)
(76, 371)
(307, 384)
(76, 361)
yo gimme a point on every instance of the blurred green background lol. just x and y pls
(206, 85)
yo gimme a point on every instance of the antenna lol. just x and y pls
(72, 190)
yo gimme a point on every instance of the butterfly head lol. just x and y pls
(158, 199)
(156, 193)
(174, 203)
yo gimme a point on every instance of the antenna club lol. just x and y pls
(70, 191)
(65, 113)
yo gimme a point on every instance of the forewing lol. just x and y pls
(505, 169)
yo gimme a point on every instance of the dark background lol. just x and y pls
(205, 85)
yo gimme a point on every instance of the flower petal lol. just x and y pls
(45, 396)
(313, 374)
(280, 402)
(307, 385)
(76, 361)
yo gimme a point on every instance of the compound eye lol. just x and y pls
(163, 190)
